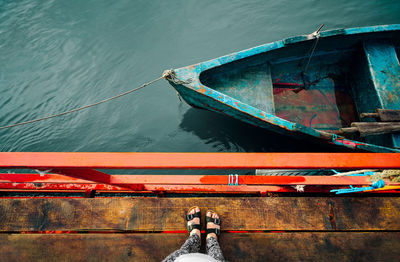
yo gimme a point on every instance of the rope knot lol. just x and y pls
(168, 74)
(316, 33)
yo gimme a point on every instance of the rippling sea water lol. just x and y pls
(58, 55)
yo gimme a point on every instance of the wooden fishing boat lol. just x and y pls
(310, 87)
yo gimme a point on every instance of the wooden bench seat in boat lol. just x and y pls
(351, 228)
(384, 70)
(251, 85)
(263, 91)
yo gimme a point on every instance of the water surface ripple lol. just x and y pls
(58, 55)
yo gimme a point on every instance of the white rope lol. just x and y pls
(165, 75)
(314, 35)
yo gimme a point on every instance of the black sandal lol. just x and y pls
(190, 217)
(216, 221)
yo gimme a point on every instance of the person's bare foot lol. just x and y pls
(211, 225)
(194, 221)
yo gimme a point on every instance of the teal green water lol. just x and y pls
(58, 55)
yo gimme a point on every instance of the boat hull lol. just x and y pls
(204, 85)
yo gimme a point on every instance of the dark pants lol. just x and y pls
(192, 245)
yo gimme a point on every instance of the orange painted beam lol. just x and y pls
(93, 175)
(242, 180)
(45, 160)
(59, 187)
(154, 188)
(125, 180)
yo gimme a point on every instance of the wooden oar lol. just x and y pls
(384, 115)
(371, 128)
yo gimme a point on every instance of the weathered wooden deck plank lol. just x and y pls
(167, 214)
(305, 246)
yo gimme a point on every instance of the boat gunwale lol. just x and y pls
(225, 59)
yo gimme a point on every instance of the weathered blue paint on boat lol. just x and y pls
(240, 84)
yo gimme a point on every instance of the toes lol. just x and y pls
(195, 220)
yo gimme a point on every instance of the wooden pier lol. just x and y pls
(90, 216)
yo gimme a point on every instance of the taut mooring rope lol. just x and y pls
(314, 35)
(165, 75)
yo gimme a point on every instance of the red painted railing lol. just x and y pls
(198, 160)
(77, 171)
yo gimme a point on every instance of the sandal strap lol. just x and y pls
(191, 216)
(217, 231)
(193, 226)
(216, 221)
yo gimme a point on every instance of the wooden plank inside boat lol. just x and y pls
(370, 128)
(280, 228)
(376, 128)
(384, 115)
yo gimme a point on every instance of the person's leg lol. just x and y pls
(214, 250)
(192, 244)
(213, 230)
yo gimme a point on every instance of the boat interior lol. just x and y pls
(320, 83)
